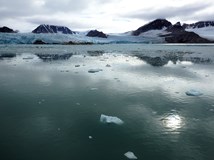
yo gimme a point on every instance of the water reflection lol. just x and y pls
(164, 59)
(54, 57)
(141, 95)
(96, 53)
(7, 55)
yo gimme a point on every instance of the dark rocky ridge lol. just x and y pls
(38, 41)
(6, 30)
(52, 29)
(154, 25)
(175, 28)
(179, 35)
(185, 37)
(200, 24)
(96, 33)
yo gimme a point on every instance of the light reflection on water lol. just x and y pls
(173, 122)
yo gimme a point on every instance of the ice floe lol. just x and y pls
(94, 70)
(130, 155)
(193, 92)
(110, 119)
(94, 89)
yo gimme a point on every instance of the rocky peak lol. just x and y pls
(200, 24)
(157, 24)
(52, 29)
(6, 30)
(96, 33)
(179, 35)
(175, 28)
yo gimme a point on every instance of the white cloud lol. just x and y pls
(109, 16)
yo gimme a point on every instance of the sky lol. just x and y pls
(109, 16)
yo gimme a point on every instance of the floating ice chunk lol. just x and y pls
(27, 58)
(94, 89)
(110, 119)
(130, 155)
(94, 70)
(193, 92)
(90, 137)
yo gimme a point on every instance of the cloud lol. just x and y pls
(182, 12)
(18, 8)
(66, 5)
(106, 15)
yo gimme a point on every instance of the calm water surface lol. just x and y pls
(50, 104)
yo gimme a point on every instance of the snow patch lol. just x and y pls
(110, 119)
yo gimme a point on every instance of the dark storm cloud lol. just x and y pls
(183, 12)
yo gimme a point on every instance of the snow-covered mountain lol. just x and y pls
(204, 29)
(157, 31)
(52, 29)
(200, 24)
(157, 24)
(170, 33)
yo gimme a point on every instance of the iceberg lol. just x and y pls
(193, 92)
(130, 155)
(110, 119)
(77, 65)
(94, 89)
(94, 70)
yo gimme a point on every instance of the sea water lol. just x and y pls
(51, 102)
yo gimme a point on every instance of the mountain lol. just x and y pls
(200, 24)
(52, 29)
(170, 33)
(177, 34)
(204, 29)
(6, 30)
(95, 33)
(175, 28)
(157, 31)
(157, 24)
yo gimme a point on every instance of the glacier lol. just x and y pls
(78, 37)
